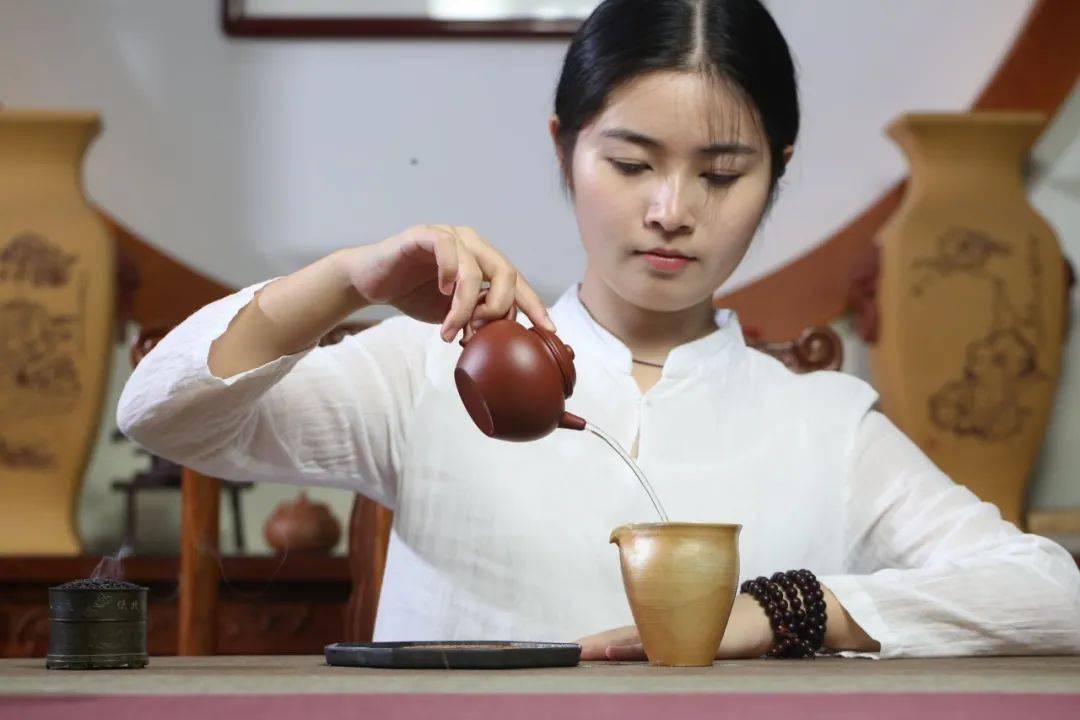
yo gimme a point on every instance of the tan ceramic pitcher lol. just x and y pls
(681, 580)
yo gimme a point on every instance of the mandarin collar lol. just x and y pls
(577, 328)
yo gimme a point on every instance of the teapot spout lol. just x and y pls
(570, 421)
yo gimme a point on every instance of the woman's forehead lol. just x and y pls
(680, 109)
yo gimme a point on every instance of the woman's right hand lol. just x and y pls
(437, 273)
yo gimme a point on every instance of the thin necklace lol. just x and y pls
(593, 318)
(632, 358)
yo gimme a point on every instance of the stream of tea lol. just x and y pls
(632, 465)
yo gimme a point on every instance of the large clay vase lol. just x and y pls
(971, 300)
(57, 293)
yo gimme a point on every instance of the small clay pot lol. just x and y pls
(302, 526)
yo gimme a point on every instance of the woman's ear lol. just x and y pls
(553, 128)
(788, 152)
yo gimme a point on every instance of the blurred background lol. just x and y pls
(244, 155)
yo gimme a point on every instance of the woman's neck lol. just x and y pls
(650, 335)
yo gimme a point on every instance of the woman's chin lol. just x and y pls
(665, 297)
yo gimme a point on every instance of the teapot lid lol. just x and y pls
(564, 357)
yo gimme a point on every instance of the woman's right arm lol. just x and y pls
(433, 273)
(238, 389)
(287, 316)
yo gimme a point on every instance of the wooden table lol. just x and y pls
(304, 687)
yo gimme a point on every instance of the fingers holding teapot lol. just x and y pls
(443, 274)
(488, 287)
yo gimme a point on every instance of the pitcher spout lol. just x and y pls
(617, 533)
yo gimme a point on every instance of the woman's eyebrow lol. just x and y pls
(631, 136)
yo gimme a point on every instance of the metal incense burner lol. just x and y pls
(96, 625)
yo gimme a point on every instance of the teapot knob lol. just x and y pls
(570, 352)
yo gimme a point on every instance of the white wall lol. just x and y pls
(249, 158)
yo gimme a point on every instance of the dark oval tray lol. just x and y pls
(454, 655)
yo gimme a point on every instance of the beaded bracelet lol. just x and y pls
(795, 606)
(783, 618)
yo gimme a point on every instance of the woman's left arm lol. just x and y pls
(935, 571)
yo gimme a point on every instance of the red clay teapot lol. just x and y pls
(514, 381)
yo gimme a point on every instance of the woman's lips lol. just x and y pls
(666, 263)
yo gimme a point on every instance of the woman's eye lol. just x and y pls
(628, 168)
(720, 180)
(714, 179)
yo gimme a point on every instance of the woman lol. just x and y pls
(673, 123)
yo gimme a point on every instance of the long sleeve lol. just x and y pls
(937, 572)
(333, 416)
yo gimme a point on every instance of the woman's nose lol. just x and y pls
(670, 209)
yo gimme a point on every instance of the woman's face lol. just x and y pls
(667, 206)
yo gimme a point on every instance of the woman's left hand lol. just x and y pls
(618, 644)
(748, 635)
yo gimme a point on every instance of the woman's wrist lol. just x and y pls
(748, 634)
(310, 302)
(285, 317)
(842, 632)
(762, 631)
(345, 263)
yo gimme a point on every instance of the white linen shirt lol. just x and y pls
(497, 540)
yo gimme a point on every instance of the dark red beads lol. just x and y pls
(795, 606)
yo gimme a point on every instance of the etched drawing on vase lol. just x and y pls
(37, 361)
(37, 366)
(32, 456)
(958, 250)
(31, 258)
(999, 365)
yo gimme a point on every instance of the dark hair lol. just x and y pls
(736, 41)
